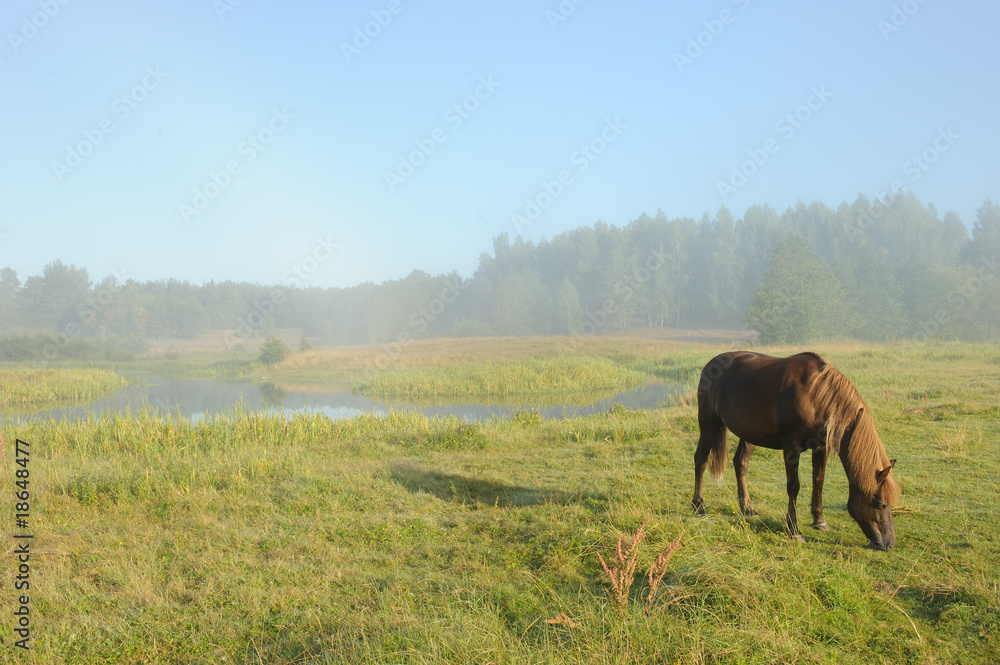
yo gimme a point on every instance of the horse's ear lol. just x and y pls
(884, 473)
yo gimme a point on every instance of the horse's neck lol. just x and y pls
(861, 452)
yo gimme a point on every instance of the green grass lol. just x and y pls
(405, 539)
(222, 365)
(22, 388)
(536, 376)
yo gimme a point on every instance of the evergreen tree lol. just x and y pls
(47, 299)
(798, 299)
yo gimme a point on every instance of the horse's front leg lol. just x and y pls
(792, 452)
(819, 455)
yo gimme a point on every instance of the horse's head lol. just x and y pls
(872, 512)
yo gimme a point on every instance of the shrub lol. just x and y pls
(273, 351)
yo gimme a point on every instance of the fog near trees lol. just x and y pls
(869, 270)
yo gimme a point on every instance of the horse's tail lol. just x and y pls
(712, 439)
(717, 459)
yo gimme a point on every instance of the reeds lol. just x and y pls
(26, 388)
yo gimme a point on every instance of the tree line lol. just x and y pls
(871, 270)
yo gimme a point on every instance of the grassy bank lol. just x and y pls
(351, 365)
(535, 376)
(37, 388)
(412, 540)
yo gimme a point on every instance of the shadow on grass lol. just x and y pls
(774, 525)
(462, 489)
(941, 602)
(760, 524)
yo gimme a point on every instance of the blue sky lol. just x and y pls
(243, 136)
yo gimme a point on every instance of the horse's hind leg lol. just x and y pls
(819, 472)
(710, 433)
(741, 461)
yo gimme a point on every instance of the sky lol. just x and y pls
(241, 139)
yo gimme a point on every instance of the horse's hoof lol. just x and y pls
(822, 526)
(798, 538)
(749, 512)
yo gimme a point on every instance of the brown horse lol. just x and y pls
(795, 404)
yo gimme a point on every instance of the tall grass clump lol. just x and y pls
(619, 425)
(25, 387)
(564, 374)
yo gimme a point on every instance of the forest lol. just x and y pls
(881, 270)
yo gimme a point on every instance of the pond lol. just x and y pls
(196, 399)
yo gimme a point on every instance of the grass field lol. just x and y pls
(412, 540)
(361, 364)
(534, 376)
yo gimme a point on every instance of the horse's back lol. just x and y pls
(759, 396)
(732, 365)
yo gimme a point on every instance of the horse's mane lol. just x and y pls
(844, 409)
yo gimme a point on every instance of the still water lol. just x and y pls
(197, 399)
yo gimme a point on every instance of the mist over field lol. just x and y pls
(882, 271)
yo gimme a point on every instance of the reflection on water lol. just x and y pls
(197, 398)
